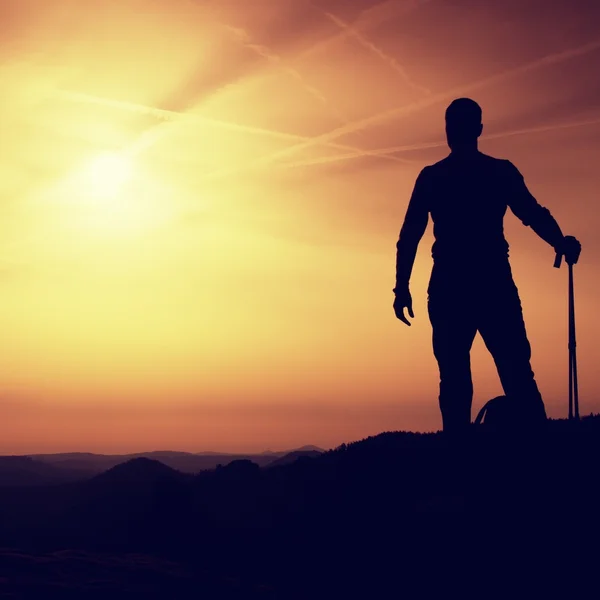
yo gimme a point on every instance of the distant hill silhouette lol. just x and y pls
(137, 470)
(24, 470)
(308, 448)
(294, 456)
(397, 514)
(81, 465)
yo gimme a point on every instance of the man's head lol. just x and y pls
(463, 123)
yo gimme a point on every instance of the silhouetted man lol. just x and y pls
(471, 287)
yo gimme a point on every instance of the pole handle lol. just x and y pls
(558, 260)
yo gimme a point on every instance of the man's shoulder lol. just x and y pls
(439, 165)
(502, 164)
(434, 170)
(448, 164)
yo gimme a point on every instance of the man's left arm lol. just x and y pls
(539, 218)
(530, 212)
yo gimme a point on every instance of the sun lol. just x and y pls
(113, 193)
(107, 174)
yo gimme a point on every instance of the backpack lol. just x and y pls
(500, 412)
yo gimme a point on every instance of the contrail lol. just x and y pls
(544, 128)
(172, 116)
(154, 134)
(370, 17)
(340, 157)
(371, 47)
(428, 145)
(244, 38)
(431, 100)
(379, 13)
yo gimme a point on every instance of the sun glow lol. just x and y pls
(107, 175)
(111, 193)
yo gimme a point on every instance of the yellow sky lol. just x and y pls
(200, 204)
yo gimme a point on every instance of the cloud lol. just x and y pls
(375, 49)
(367, 19)
(390, 150)
(433, 99)
(245, 39)
(194, 118)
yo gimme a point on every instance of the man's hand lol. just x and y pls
(403, 300)
(570, 248)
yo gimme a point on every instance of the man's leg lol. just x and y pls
(454, 330)
(501, 324)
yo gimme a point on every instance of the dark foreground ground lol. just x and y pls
(398, 515)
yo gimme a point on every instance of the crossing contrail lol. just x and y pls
(431, 100)
(425, 146)
(244, 38)
(169, 115)
(152, 135)
(156, 133)
(370, 17)
(372, 47)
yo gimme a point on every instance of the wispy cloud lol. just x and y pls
(431, 100)
(428, 145)
(194, 118)
(368, 18)
(244, 38)
(377, 51)
(171, 115)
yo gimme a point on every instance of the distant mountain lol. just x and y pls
(292, 457)
(89, 464)
(73, 466)
(66, 455)
(25, 471)
(162, 453)
(308, 448)
(138, 470)
(281, 453)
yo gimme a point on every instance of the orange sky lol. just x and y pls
(201, 200)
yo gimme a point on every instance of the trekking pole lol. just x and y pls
(573, 386)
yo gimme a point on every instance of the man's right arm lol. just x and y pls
(415, 223)
(413, 228)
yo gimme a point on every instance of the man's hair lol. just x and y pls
(464, 112)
